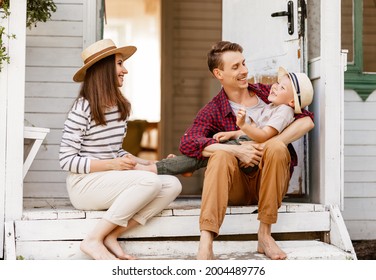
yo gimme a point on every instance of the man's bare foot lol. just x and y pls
(267, 245)
(96, 250)
(205, 248)
(113, 246)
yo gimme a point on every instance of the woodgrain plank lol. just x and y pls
(360, 163)
(360, 209)
(183, 250)
(57, 28)
(58, 42)
(53, 57)
(52, 89)
(50, 74)
(361, 229)
(188, 226)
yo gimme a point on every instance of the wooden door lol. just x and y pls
(272, 35)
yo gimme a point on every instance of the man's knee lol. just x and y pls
(276, 148)
(222, 157)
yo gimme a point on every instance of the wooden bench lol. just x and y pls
(36, 136)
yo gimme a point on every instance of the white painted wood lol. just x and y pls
(90, 23)
(37, 134)
(326, 152)
(10, 241)
(339, 235)
(57, 28)
(15, 112)
(361, 229)
(3, 138)
(360, 209)
(360, 155)
(74, 229)
(56, 56)
(271, 46)
(184, 250)
(53, 88)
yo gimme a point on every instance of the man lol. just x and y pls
(225, 182)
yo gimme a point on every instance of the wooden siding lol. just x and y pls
(189, 28)
(360, 166)
(53, 52)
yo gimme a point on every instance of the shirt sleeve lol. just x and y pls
(305, 113)
(281, 118)
(199, 134)
(75, 127)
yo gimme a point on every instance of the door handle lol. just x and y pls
(290, 16)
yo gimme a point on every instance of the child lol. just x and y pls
(292, 93)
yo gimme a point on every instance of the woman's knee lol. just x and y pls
(150, 183)
(172, 185)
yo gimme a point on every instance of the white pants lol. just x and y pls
(129, 194)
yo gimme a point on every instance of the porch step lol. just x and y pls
(53, 229)
(183, 250)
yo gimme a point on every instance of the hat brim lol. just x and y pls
(282, 72)
(126, 52)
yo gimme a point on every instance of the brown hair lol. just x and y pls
(100, 88)
(215, 54)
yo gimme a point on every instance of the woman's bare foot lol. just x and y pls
(96, 250)
(205, 248)
(113, 246)
(267, 245)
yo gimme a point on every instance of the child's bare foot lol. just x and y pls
(267, 245)
(96, 250)
(113, 245)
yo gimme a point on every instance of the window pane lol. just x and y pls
(369, 36)
(347, 29)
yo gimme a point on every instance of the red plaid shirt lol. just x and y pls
(217, 116)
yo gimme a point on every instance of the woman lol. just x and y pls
(101, 174)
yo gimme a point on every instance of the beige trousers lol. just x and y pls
(124, 194)
(225, 184)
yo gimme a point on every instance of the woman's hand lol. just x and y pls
(126, 162)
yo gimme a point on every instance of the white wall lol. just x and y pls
(53, 55)
(360, 166)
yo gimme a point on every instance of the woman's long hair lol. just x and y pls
(100, 88)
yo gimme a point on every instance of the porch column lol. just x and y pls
(15, 94)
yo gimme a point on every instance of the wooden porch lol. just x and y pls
(51, 229)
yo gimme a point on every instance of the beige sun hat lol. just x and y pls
(301, 86)
(98, 51)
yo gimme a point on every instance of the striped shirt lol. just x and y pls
(84, 140)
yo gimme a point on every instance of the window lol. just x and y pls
(359, 37)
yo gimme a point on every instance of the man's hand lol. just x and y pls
(249, 153)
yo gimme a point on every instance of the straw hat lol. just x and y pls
(301, 86)
(98, 51)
